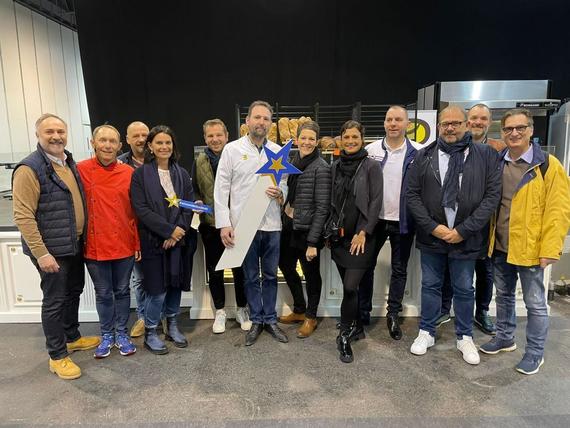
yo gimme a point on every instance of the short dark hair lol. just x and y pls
(311, 126)
(514, 112)
(259, 103)
(160, 129)
(349, 124)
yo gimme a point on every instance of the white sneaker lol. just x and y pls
(220, 321)
(422, 343)
(469, 350)
(242, 318)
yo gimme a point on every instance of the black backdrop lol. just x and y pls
(182, 62)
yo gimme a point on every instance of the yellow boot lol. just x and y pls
(138, 328)
(84, 343)
(64, 368)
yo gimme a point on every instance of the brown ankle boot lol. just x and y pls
(292, 318)
(308, 327)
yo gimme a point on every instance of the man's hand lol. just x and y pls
(228, 236)
(544, 261)
(357, 243)
(453, 237)
(440, 231)
(137, 256)
(177, 234)
(48, 264)
(274, 192)
(311, 253)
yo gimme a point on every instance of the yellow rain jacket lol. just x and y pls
(540, 213)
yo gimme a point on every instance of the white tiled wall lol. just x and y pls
(40, 72)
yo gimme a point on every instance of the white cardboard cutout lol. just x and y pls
(247, 224)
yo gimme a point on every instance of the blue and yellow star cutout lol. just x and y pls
(175, 201)
(277, 163)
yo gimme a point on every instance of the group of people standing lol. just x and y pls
(468, 201)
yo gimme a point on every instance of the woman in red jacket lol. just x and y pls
(112, 243)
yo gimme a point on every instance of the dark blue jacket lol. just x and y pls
(127, 158)
(406, 219)
(479, 196)
(55, 214)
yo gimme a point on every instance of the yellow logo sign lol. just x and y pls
(419, 131)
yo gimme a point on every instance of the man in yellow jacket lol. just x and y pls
(527, 235)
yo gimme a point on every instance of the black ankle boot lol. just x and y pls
(356, 331)
(343, 346)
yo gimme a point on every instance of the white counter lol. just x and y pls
(20, 294)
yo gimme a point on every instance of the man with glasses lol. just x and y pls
(479, 119)
(526, 236)
(454, 188)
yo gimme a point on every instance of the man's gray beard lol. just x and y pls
(257, 135)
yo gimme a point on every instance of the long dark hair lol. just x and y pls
(160, 129)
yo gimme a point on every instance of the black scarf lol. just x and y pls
(450, 188)
(154, 193)
(345, 170)
(213, 158)
(301, 163)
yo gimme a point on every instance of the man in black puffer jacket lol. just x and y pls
(454, 187)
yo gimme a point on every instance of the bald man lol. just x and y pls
(136, 139)
(453, 189)
(395, 152)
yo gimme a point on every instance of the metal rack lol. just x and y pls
(331, 117)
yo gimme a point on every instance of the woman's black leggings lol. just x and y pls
(349, 308)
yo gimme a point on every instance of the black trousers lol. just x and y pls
(401, 245)
(214, 248)
(351, 279)
(483, 287)
(288, 257)
(60, 303)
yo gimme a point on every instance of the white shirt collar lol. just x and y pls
(60, 162)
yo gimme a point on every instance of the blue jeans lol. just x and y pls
(434, 266)
(112, 293)
(167, 303)
(262, 295)
(136, 285)
(534, 299)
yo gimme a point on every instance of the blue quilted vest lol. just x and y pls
(55, 215)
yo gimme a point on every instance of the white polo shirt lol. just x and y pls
(392, 175)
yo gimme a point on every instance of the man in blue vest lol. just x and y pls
(396, 153)
(49, 210)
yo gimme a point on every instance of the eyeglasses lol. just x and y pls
(520, 129)
(455, 124)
